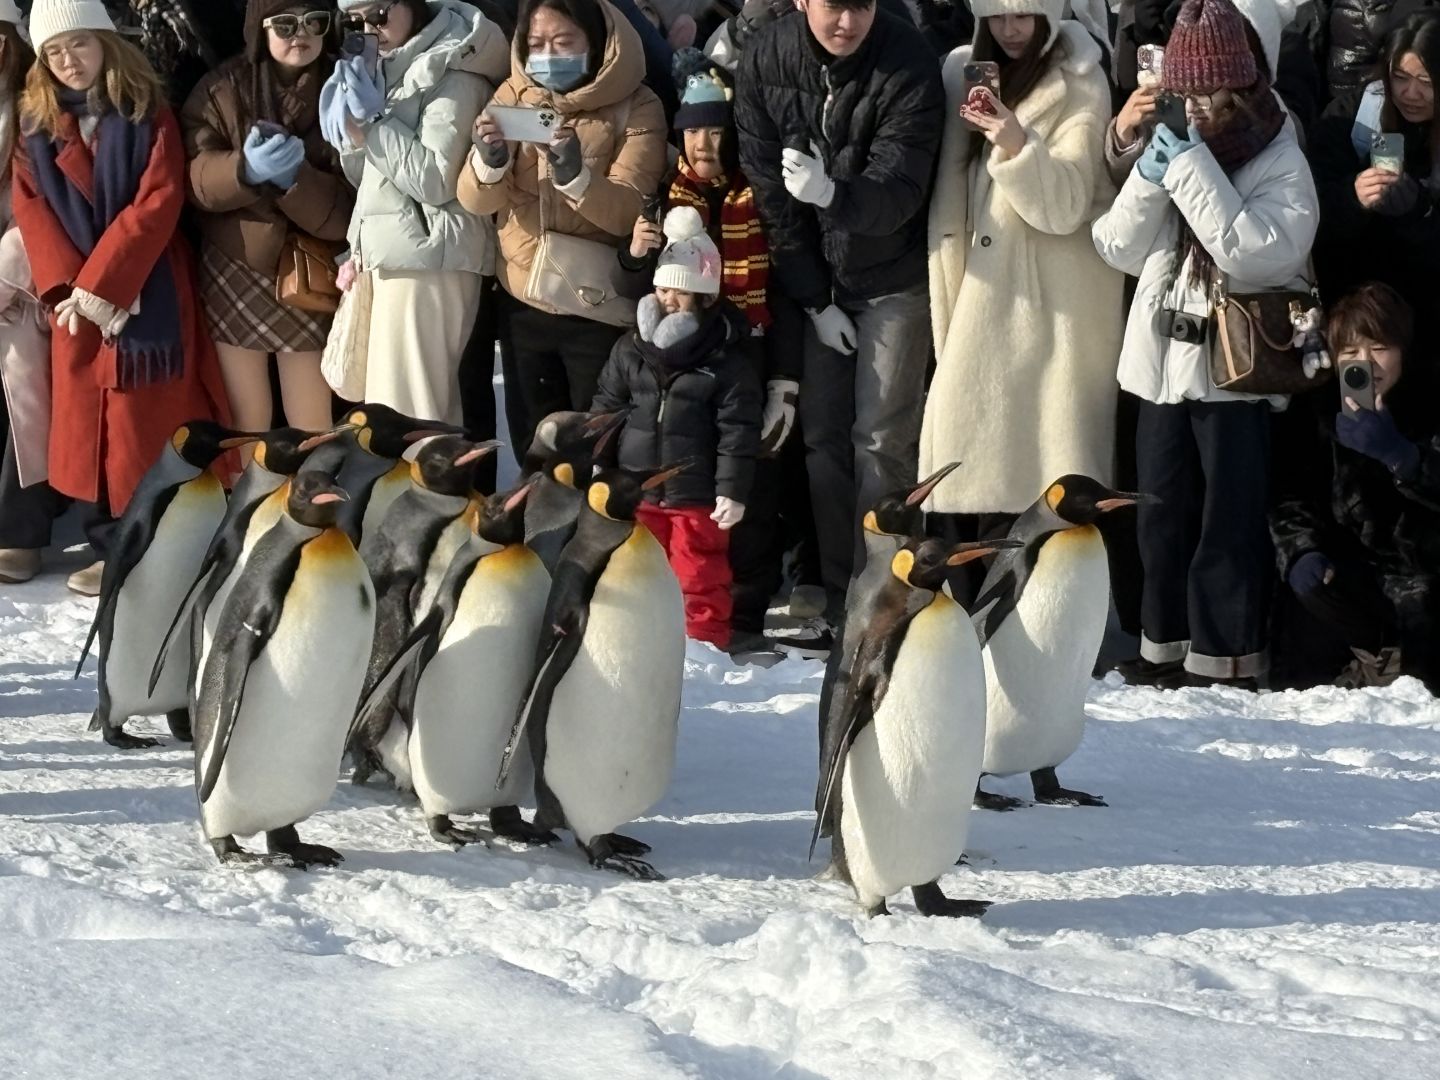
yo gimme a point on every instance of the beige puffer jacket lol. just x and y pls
(621, 128)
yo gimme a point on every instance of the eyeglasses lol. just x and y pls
(312, 23)
(1203, 103)
(377, 18)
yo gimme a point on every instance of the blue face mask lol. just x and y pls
(558, 72)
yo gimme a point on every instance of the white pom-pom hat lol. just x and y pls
(690, 261)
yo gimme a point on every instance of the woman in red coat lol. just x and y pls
(99, 185)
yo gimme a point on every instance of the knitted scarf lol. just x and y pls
(150, 348)
(744, 253)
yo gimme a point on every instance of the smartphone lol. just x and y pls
(521, 124)
(270, 129)
(981, 75)
(1357, 382)
(1387, 151)
(1170, 111)
(1149, 59)
(357, 43)
(653, 209)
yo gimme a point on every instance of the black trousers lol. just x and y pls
(965, 581)
(1205, 547)
(477, 380)
(777, 524)
(551, 362)
(1119, 527)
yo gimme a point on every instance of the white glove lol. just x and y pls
(110, 319)
(805, 177)
(835, 329)
(67, 315)
(779, 415)
(727, 513)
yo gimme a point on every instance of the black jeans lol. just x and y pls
(1205, 547)
(477, 380)
(965, 581)
(551, 363)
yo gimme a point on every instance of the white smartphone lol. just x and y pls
(1387, 152)
(521, 124)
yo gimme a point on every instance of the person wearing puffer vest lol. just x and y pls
(403, 134)
(1026, 316)
(695, 398)
(1232, 201)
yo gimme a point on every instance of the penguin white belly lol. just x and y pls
(1038, 665)
(151, 595)
(300, 695)
(470, 691)
(610, 737)
(383, 494)
(452, 540)
(910, 775)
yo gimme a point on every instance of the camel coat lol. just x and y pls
(621, 128)
(1027, 317)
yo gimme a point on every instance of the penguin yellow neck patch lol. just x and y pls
(565, 474)
(872, 523)
(1054, 497)
(902, 564)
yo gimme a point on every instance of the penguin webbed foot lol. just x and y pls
(877, 908)
(455, 836)
(506, 823)
(626, 845)
(931, 901)
(232, 854)
(121, 739)
(286, 842)
(603, 856)
(179, 720)
(989, 800)
(1048, 791)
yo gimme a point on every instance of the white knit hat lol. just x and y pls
(1053, 10)
(690, 261)
(50, 18)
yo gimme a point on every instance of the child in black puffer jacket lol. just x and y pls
(695, 398)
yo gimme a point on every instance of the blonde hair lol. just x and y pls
(127, 83)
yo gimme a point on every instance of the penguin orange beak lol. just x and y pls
(241, 438)
(477, 452)
(520, 494)
(607, 425)
(430, 430)
(332, 496)
(1121, 499)
(978, 549)
(665, 474)
(322, 437)
(929, 484)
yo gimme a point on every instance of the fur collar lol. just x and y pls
(661, 330)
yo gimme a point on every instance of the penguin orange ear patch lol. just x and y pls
(598, 496)
(872, 523)
(903, 564)
(1055, 496)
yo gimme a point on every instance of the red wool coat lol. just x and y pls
(102, 438)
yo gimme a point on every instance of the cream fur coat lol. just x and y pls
(1027, 317)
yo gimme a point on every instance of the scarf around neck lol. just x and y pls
(744, 252)
(149, 349)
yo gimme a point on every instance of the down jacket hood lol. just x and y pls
(622, 70)
(458, 38)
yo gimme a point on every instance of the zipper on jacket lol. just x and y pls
(825, 116)
(660, 416)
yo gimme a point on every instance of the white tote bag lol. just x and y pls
(347, 349)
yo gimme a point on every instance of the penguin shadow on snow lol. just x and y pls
(91, 755)
(730, 1062)
(100, 806)
(28, 690)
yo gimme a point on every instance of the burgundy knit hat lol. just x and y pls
(1208, 49)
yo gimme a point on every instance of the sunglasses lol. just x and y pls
(312, 23)
(376, 19)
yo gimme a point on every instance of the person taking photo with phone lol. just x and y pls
(1356, 519)
(1376, 155)
(1026, 315)
(98, 188)
(398, 107)
(1229, 202)
(264, 181)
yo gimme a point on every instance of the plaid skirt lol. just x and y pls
(242, 310)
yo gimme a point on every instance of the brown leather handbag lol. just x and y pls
(1252, 335)
(306, 275)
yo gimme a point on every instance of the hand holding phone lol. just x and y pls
(1170, 111)
(1387, 152)
(521, 124)
(269, 129)
(1357, 383)
(982, 89)
(357, 43)
(1149, 64)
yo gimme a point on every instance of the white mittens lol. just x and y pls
(805, 177)
(779, 415)
(727, 513)
(835, 329)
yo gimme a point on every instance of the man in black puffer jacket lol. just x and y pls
(840, 110)
(1357, 31)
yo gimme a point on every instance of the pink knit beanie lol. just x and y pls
(1208, 49)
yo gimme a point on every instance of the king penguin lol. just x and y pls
(562, 457)
(280, 686)
(159, 544)
(602, 704)
(407, 557)
(1041, 616)
(462, 674)
(910, 737)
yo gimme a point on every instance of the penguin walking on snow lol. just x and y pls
(281, 683)
(603, 703)
(562, 458)
(896, 791)
(1041, 618)
(463, 672)
(407, 557)
(159, 544)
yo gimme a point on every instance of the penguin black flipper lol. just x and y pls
(248, 622)
(1002, 589)
(563, 635)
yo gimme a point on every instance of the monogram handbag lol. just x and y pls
(306, 275)
(1252, 341)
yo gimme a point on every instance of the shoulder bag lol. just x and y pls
(1252, 336)
(305, 278)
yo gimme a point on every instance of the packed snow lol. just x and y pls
(1261, 899)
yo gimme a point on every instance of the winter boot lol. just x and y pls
(1371, 669)
(1169, 675)
(18, 565)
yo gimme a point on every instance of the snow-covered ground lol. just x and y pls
(1261, 899)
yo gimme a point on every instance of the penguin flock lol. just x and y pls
(355, 597)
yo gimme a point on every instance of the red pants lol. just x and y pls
(699, 553)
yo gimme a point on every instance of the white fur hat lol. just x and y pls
(690, 261)
(50, 18)
(1053, 10)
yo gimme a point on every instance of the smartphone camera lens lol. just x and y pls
(1355, 377)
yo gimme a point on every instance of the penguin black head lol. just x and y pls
(315, 500)
(446, 464)
(284, 450)
(501, 518)
(923, 564)
(617, 493)
(567, 444)
(1081, 500)
(200, 442)
(899, 513)
(384, 432)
